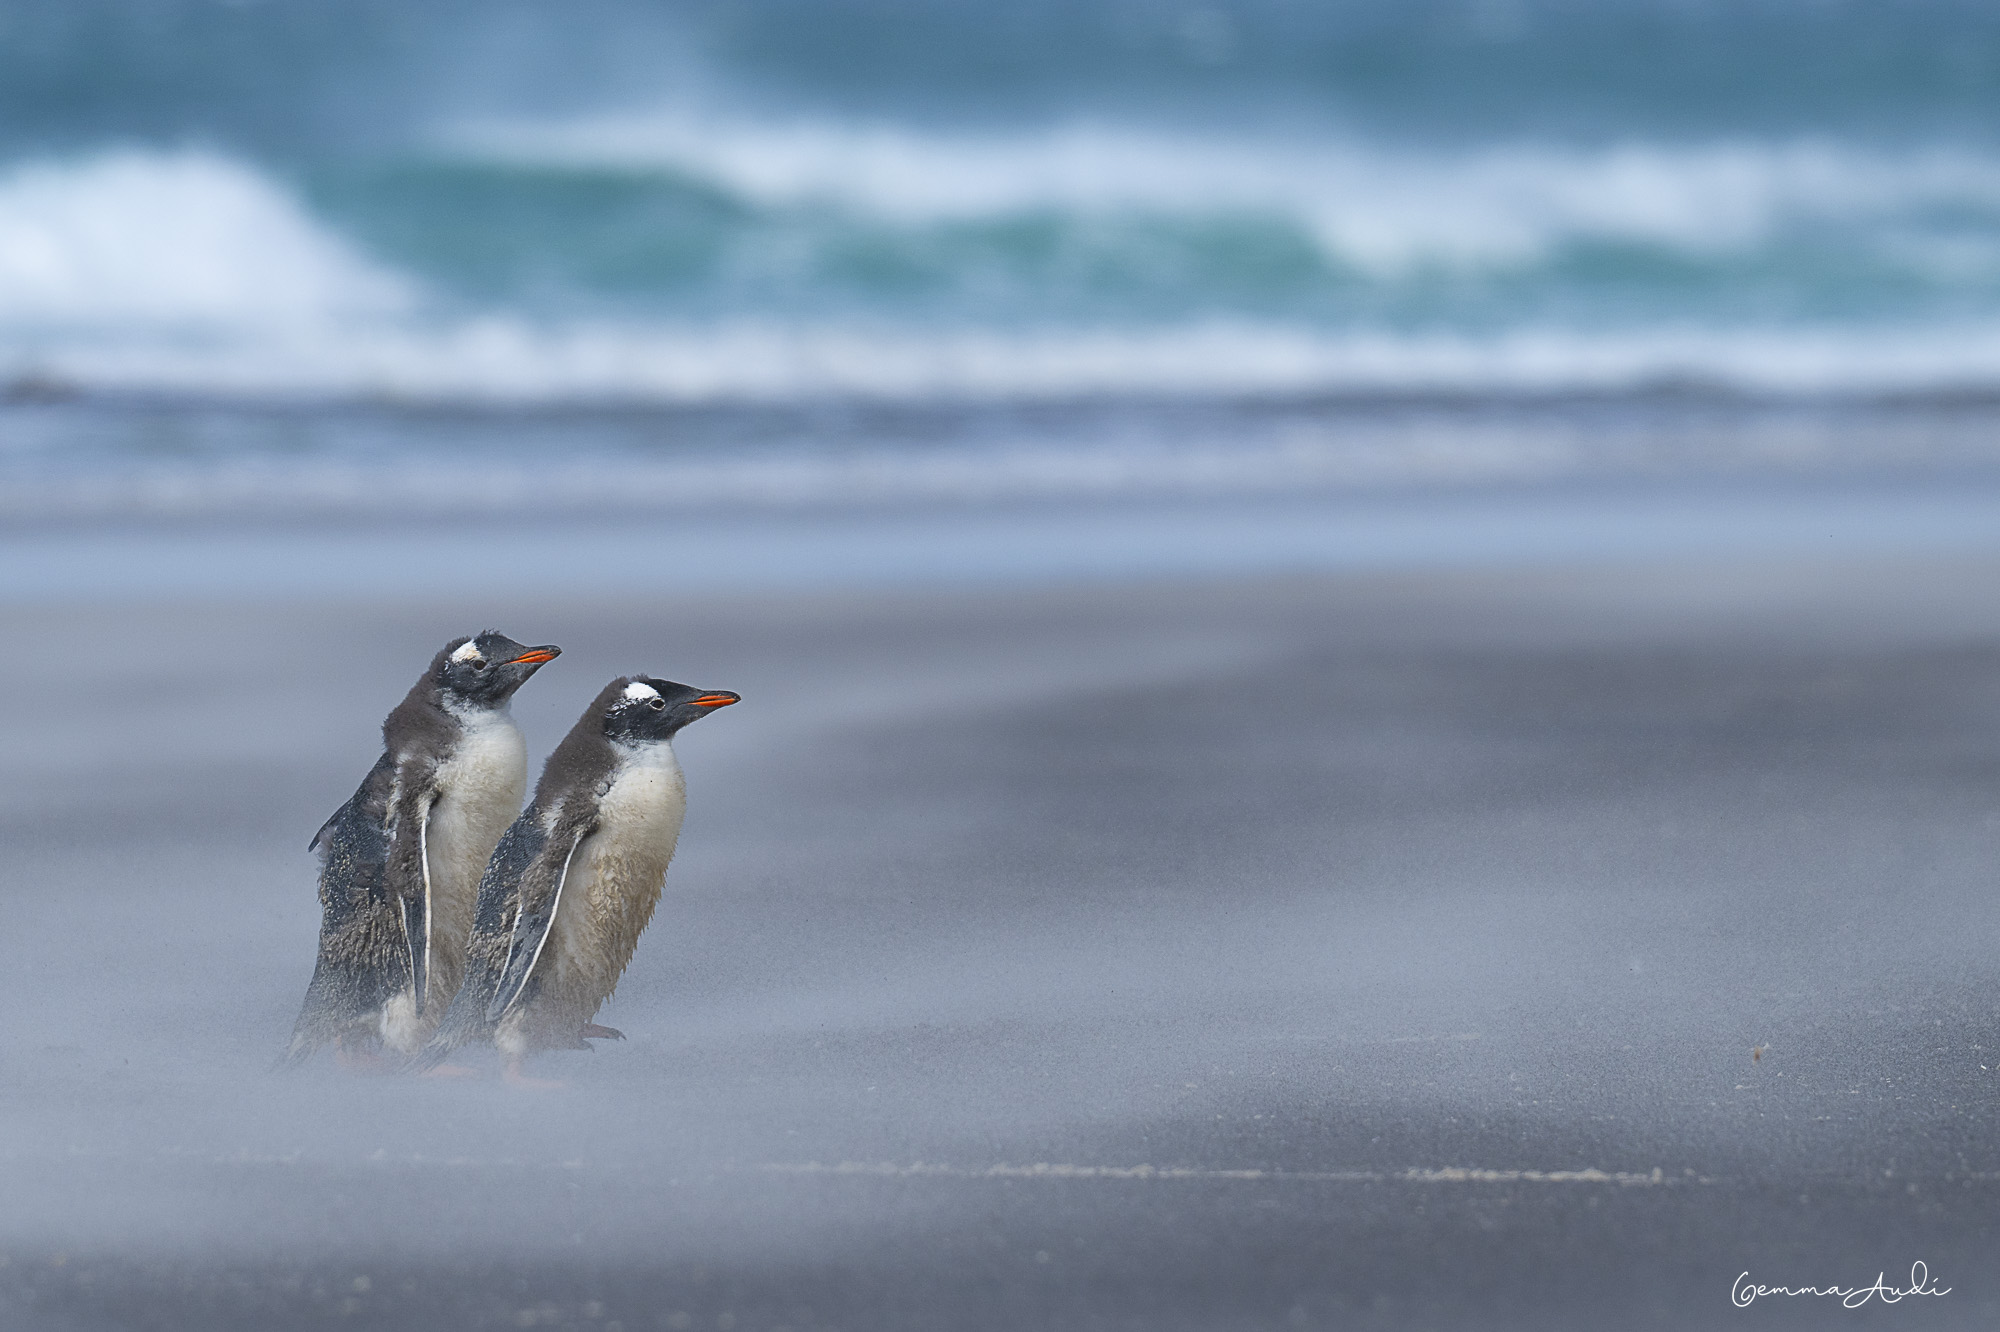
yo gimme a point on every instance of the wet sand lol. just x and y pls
(1346, 951)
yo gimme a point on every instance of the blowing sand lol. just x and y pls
(1337, 951)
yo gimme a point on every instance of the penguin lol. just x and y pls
(400, 861)
(575, 879)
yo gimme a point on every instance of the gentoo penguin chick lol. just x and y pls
(400, 861)
(576, 878)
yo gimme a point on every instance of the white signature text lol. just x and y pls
(1744, 1292)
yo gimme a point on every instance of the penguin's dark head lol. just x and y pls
(485, 671)
(643, 710)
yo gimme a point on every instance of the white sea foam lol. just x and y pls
(192, 273)
(513, 360)
(1377, 210)
(180, 239)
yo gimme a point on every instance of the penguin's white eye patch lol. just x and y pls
(638, 690)
(468, 651)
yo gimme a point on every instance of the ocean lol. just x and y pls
(277, 258)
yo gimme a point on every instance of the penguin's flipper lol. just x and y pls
(416, 942)
(417, 914)
(407, 875)
(486, 953)
(541, 894)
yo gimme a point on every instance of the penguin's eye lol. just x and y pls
(478, 665)
(658, 705)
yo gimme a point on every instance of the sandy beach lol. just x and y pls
(1363, 950)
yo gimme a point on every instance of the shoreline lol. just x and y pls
(146, 463)
(1635, 525)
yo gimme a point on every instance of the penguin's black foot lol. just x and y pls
(591, 1031)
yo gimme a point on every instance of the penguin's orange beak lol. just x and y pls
(536, 656)
(721, 698)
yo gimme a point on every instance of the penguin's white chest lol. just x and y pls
(617, 876)
(479, 793)
(640, 813)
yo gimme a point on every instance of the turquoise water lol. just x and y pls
(762, 201)
(344, 255)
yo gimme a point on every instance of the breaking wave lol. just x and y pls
(750, 263)
(1375, 210)
(172, 241)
